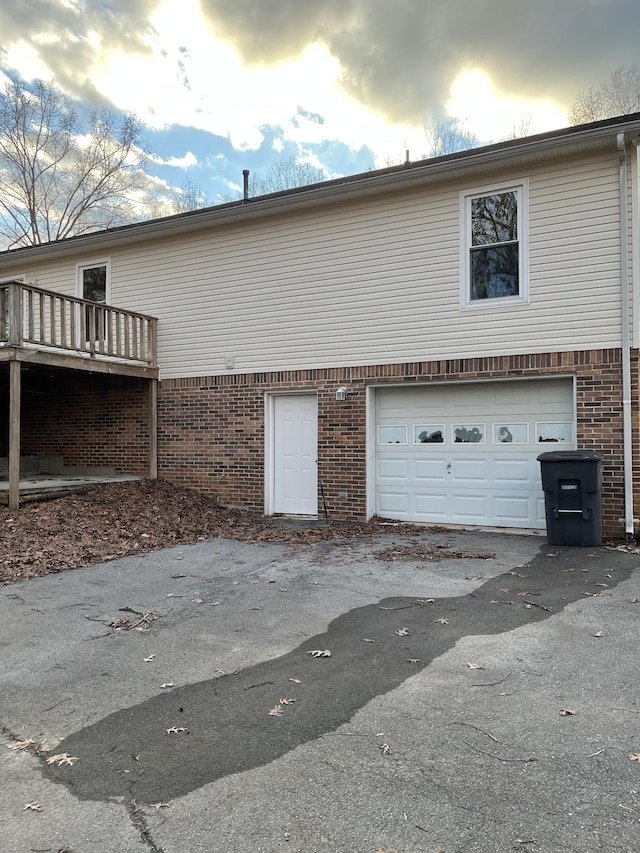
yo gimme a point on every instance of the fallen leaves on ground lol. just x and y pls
(430, 553)
(21, 744)
(567, 712)
(320, 653)
(62, 759)
(635, 757)
(143, 624)
(174, 730)
(119, 519)
(32, 807)
(402, 632)
(276, 712)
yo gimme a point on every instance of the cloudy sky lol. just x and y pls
(346, 85)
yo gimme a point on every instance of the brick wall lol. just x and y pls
(89, 420)
(211, 430)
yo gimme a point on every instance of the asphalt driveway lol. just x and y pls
(470, 703)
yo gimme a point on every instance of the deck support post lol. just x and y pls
(14, 434)
(153, 429)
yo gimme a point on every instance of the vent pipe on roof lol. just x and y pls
(245, 176)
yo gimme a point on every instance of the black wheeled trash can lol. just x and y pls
(572, 485)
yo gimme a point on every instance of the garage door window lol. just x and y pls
(468, 433)
(494, 246)
(511, 433)
(392, 435)
(428, 434)
(555, 433)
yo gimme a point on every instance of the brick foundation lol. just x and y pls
(90, 420)
(211, 430)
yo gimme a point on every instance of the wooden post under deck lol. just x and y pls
(153, 429)
(14, 434)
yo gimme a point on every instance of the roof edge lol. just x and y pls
(592, 136)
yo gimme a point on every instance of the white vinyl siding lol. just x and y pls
(373, 281)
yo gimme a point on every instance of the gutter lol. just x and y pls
(626, 339)
(460, 166)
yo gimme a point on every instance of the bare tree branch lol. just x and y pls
(447, 137)
(619, 95)
(190, 196)
(285, 175)
(58, 180)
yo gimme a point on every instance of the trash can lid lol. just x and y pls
(570, 456)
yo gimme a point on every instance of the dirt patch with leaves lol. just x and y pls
(429, 553)
(121, 519)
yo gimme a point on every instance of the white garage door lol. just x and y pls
(466, 453)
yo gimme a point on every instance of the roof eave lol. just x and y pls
(461, 165)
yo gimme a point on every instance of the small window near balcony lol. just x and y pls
(494, 246)
(93, 282)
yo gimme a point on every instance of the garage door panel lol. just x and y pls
(512, 511)
(430, 471)
(470, 470)
(514, 471)
(550, 395)
(469, 401)
(471, 507)
(394, 502)
(496, 483)
(392, 469)
(429, 506)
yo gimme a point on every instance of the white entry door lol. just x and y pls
(295, 454)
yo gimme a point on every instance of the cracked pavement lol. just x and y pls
(435, 725)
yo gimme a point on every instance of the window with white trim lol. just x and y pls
(93, 281)
(494, 245)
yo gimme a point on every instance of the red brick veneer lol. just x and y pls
(211, 429)
(89, 420)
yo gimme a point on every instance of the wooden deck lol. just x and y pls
(44, 327)
(47, 328)
(42, 487)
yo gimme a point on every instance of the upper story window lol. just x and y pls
(494, 246)
(93, 281)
